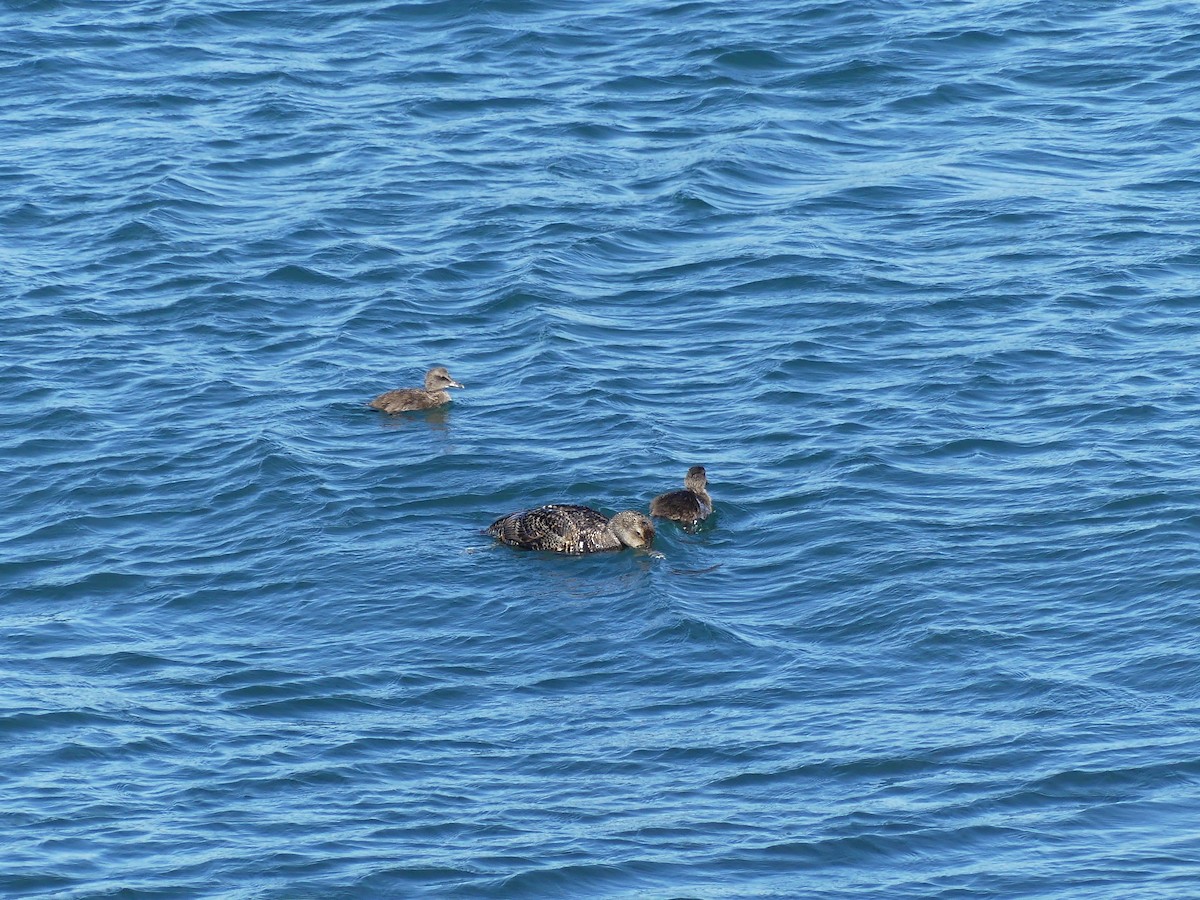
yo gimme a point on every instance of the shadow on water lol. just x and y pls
(714, 567)
(436, 419)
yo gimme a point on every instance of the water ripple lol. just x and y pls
(914, 282)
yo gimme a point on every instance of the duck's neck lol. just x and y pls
(614, 539)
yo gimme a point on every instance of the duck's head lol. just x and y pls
(632, 529)
(696, 479)
(438, 379)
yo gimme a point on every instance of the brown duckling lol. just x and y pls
(688, 506)
(433, 394)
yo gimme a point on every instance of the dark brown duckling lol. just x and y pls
(563, 528)
(433, 394)
(688, 506)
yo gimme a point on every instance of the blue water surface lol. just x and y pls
(918, 283)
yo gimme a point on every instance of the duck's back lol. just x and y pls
(406, 399)
(682, 506)
(560, 528)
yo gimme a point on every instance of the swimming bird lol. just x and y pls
(688, 506)
(433, 394)
(563, 528)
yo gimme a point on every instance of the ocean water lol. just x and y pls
(917, 282)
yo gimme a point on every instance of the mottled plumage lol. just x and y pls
(564, 528)
(433, 394)
(688, 506)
